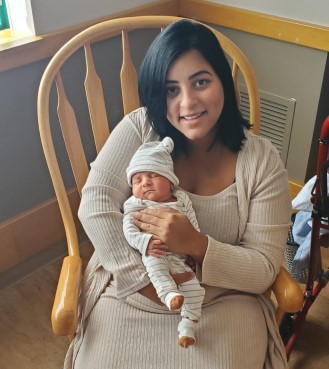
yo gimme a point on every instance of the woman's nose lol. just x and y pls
(188, 98)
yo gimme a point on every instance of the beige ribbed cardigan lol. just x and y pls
(264, 216)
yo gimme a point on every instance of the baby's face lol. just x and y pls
(151, 186)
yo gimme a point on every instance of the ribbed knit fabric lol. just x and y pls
(247, 226)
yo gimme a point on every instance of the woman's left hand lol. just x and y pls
(174, 230)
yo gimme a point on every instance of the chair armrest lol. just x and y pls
(288, 294)
(64, 316)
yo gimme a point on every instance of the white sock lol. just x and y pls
(169, 296)
(186, 328)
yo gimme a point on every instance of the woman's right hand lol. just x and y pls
(175, 231)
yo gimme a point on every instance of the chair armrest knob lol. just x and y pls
(287, 292)
(64, 316)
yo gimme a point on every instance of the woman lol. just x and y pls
(239, 190)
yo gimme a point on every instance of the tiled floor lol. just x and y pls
(27, 342)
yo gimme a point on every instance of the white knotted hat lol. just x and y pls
(154, 157)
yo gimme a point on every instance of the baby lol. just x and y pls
(151, 176)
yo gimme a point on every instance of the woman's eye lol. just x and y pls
(172, 91)
(201, 82)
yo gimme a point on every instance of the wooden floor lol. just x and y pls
(27, 342)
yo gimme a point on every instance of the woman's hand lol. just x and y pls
(156, 248)
(174, 230)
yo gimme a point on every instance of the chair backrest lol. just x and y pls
(97, 103)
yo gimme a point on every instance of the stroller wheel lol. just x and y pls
(286, 327)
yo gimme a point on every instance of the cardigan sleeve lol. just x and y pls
(264, 209)
(101, 207)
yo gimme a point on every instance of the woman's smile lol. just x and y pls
(192, 119)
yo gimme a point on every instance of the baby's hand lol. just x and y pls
(156, 248)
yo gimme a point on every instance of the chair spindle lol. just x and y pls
(96, 101)
(71, 135)
(128, 78)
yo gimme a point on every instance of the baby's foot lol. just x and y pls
(174, 301)
(186, 329)
(186, 341)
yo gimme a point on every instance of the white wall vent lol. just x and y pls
(276, 117)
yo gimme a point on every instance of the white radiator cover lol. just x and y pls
(276, 118)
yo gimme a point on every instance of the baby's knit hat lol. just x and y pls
(154, 157)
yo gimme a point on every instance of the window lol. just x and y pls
(4, 22)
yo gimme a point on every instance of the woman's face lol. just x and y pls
(195, 97)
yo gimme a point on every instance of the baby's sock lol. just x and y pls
(186, 329)
(174, 300)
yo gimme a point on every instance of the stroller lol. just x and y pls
(315, 278)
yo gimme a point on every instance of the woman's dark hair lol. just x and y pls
(177, 39)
